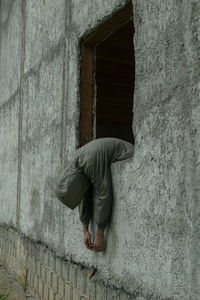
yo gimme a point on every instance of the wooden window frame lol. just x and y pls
(87, 86)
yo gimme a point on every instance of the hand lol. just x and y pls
(87, 240)
(99, 241)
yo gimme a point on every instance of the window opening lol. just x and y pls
(107, 79)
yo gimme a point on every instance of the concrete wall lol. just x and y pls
(153, 241)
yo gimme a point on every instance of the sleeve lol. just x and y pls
(100, 175)
(86, 207)
(124, 150)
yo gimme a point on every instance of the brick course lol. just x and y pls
(47, 276)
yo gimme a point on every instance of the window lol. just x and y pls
(107, 79)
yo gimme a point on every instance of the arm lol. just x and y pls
(102, 197)
(86, 207)
(97, 170)
(85, 212)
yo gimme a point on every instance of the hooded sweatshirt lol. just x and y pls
(86, 181)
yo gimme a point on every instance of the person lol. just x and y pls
(86, 182)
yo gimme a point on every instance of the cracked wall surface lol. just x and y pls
(153, 240)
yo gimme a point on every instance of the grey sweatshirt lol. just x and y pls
(86, 181)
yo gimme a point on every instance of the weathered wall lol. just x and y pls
(153, 241)
(165, 211)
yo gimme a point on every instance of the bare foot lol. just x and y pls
(99, 240)
(87, 238)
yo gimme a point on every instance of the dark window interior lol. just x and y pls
(115, 72)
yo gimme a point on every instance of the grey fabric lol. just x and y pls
(72, 186)
(86, 181)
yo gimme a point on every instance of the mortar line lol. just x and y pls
(23, 7)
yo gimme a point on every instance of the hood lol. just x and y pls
(72, 186)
